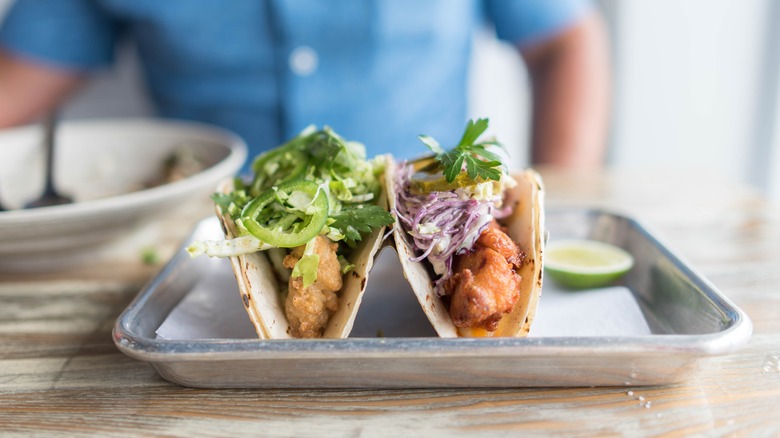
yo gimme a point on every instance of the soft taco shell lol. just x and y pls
(525, 226)
(261, 291)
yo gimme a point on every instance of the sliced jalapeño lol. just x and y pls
(275, 219)
(278, 166)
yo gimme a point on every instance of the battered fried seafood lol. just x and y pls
(472, 277)
(309, 308)
(485, 284)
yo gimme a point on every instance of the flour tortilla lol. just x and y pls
(525, 226)
(261, 291)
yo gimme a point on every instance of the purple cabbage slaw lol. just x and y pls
(454, 218)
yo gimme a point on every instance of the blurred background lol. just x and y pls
(695, 85)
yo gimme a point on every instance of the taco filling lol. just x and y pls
(450, 210)
(308, 206)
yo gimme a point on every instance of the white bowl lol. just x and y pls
(103, 165)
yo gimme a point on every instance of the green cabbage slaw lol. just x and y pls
(315, 184)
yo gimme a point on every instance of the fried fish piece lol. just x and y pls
(495, 238)
(485, 283)
(309, 308)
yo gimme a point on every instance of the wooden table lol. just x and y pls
(61, 373)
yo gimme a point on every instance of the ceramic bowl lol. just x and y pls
(112, 169)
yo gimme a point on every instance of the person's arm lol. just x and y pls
(570, 81)
(29, 90)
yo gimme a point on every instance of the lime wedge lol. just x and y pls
(581, 264)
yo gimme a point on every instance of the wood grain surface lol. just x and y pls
(60, 372)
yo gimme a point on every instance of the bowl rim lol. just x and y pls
(231, 163)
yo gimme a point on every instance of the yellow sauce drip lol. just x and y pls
(468, 332)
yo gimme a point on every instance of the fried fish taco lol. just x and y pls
(303, 233)
(469, 237)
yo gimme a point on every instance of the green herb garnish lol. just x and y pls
(224, 199)
(480, 162)
(149, 255)
(353, 220)
(316, 183)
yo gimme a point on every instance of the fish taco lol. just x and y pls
(469, 236)
(302, 235)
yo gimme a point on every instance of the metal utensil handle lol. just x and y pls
(49, 126)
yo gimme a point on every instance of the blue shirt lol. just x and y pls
(379, 72)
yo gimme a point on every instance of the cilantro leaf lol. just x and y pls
(225, 200)
(473, 131)
(480, 150)
(479, 161)
(452, 162)
(432, 144)
(353, 222)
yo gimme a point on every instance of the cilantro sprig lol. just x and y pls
(479, 161)
(354, 220)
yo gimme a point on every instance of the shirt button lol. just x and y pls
(303, 61)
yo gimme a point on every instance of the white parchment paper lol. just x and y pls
(213, 309)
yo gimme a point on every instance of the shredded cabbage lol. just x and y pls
(443, 224)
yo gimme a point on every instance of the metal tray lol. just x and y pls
(686, 318)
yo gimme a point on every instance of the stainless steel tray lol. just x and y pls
(686, 317)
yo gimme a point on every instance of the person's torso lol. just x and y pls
(380, 72)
